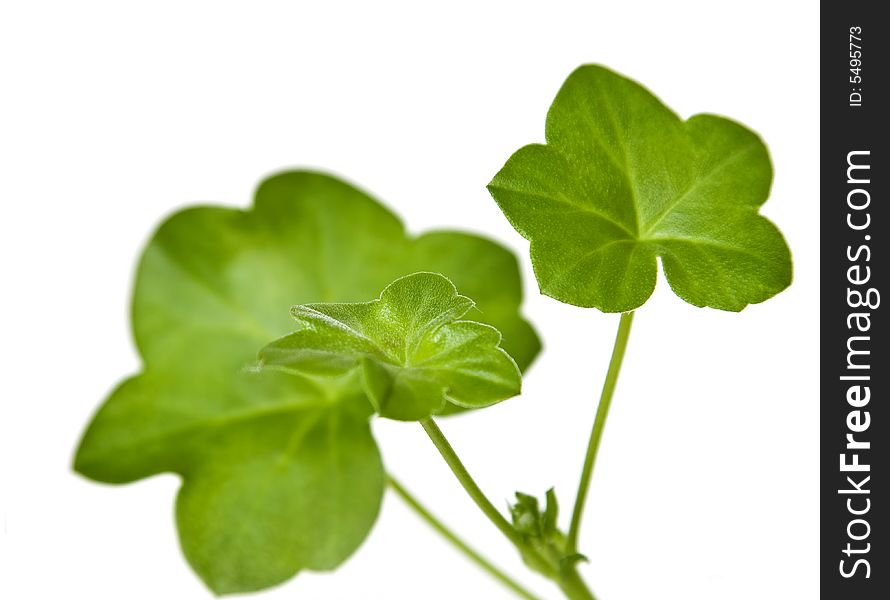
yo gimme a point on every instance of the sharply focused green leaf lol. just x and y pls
(622, 180)
(280, 471)
(414, 351)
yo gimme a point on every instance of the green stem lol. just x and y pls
(568, 580)
(596, 434)
(573, 586)
(463, 476)
(449, 535)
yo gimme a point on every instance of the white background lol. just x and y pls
(115, 115)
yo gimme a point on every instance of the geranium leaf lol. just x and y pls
(414, 350)
(280, 471)
(622, 180)
(285, 489)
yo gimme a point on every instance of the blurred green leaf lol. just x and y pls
(280, 471)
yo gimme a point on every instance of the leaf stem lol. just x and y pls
(573, 586)
(449, 535)
(596, 434)
(463, 476)
(568, 580)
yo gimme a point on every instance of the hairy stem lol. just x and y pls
(571, 584)
(449, 535)
(463, 476)
(596, 434)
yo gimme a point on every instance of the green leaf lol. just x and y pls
(530, 521)
(285, 489)
(414, 350)
(541, 533)
(622, 180)
(526, 515)
(280, 471)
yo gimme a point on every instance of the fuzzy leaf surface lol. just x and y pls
(414, 349)
(622, 180)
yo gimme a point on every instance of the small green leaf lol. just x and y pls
(540, 531)
(551, 512)
(526, 515)
(529, 520)
(622, 181)
(280, 472)
(414, 350)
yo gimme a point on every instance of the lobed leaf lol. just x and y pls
(414, 351)
(280, 472)
(623, 181)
